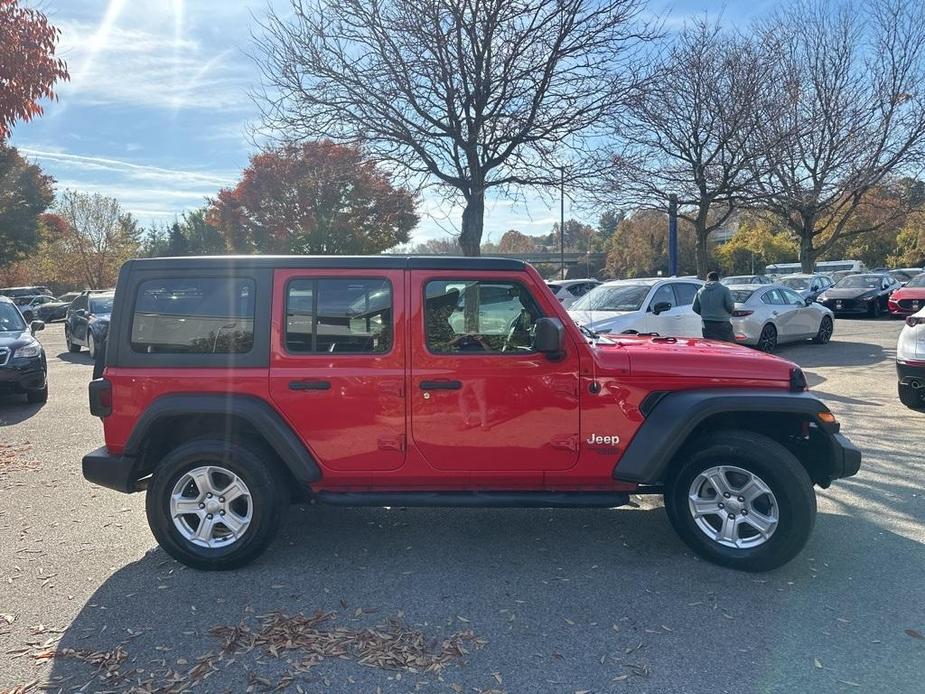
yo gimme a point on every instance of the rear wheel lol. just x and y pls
(91, 345)
(216, 505)
(767, 341)
(913, 398)
(741, 500)
(826, 328)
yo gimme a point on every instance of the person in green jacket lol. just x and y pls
(714, 305)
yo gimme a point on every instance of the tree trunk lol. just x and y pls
(701, 252)
(807, 252)
(473, 220)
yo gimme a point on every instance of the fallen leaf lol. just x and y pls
(817, 663)
(910, 632)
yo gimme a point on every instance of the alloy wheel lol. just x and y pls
(825, 330)
(733, 507)
(767, 341)
(211, 506)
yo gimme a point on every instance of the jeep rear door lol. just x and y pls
(337, 364)
(480, 398)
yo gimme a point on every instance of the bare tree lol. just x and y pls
(98, 235)
(473, 94)
(850, 111)
(691, 131)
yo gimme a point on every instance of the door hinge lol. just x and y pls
(391, 443)
(567, 442)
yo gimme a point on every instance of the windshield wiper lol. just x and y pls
(588, 332)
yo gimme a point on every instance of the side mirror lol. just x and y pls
(661, 307)
(36, 326)
(810, 301)
(549, 336)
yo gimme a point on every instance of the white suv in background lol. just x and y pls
(647, 305)
(910, 362)
(569, 291)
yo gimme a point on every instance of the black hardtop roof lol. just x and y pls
(333, 262)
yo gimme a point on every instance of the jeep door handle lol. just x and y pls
(309, 385)
(441, 385)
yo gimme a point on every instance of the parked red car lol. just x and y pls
(232, 385)
(908, 299)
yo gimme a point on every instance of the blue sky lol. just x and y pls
(157, 110)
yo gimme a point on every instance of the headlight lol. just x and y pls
(33, 350)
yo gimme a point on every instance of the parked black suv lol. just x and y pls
(23, 368)
(87, 321)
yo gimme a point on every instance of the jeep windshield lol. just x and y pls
(10, 320)
(622, 297)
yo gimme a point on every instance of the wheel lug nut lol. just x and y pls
(221, 499)
(744, 511)
(208, 496)
(726, 494)
(722, 505)
(221, 513)
(732, 516)
(741, 498)
(209, 516)
(202, 505)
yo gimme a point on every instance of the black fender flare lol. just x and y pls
(672, 417)
(257, 412)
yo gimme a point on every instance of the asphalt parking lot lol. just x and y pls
(494, 600)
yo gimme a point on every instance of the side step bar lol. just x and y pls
(476, 499)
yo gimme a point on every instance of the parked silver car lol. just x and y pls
(807, 286)
(768, 315)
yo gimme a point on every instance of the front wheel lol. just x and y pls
(741, 500)
(826, 328)
(216, 505)
(91, 345)
(71, 345)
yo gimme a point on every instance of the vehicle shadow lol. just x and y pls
(834, 353)
(14, 409)
(82, 357)
(564, 598)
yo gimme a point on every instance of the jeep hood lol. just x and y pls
(693, 360)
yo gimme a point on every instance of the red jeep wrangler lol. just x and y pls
(234, 385)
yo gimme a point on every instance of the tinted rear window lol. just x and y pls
(212, 315)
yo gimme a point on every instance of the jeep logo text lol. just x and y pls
(597, 439)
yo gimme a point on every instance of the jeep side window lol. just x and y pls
(499, 317)
(213, 315)
(339, 315)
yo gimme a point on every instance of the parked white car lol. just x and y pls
(648, 305)
(768, 315)
(570, 291)
(910, 362)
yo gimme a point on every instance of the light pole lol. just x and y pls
(562, 219)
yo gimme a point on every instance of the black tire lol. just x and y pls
(767, 340)
(826, 328)
(37, 396)
(777, 468)
(269, 496)
(71, 347)
(913, 398)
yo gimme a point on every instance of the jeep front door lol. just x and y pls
(481, 398)
(337, 369)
